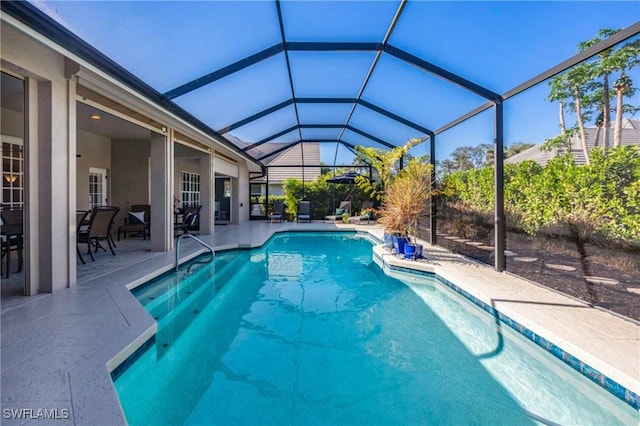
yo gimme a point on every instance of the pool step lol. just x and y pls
(180, 316)
(178, 287)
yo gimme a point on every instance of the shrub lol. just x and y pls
(596, 201)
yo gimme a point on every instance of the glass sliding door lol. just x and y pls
(222, 212)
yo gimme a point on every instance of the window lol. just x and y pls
(12, 174)
(190, 189)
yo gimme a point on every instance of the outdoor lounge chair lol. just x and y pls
(368, 216)
(99, 230)
(304, 211)
(191, 221)
(345, 207)
(137, 222)
(278, 211)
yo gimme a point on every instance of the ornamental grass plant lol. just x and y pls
(406, 199)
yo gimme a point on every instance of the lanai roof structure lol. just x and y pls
(263, 77)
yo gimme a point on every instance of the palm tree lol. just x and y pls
(578, 80)
(622, 86)
(603, 67)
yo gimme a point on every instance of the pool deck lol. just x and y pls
(57, 349)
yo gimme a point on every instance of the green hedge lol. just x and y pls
(600, 199)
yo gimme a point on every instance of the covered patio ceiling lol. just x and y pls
(265, 76)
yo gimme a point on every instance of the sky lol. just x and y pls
(497, 45)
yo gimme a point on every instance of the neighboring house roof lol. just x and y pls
(294, 157)
(630, 136)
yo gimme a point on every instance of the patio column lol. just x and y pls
(52, 145)
(207, 193)
(499, 186)
(162, 191)
(31, 195)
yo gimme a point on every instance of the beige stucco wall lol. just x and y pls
(129, 174)
(94, 151)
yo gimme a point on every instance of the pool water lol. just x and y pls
(308, 330)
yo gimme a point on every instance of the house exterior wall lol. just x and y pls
(94, 151)
(129, 174)
(56, 180)
(191, 165)
(48, 148)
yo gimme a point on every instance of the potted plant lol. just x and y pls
(406, 199)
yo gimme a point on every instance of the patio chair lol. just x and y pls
(82, 227)
(304, 211)
(99, 229)
(138, 222)
(368, 216)
(191, 220)
(278, 212)
(12, 233)
(345, 207)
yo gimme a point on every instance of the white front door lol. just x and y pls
(97, 187)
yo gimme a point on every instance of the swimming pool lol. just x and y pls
(308, 330)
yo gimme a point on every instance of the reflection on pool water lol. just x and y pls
(308, 330)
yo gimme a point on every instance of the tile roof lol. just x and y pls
(630, 136)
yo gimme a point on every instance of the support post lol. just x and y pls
(32, 262)
(162, 166)
(54, 238)
(432, 214)
(500, 235)
(207, 193)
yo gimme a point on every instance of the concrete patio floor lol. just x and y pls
(57, 349)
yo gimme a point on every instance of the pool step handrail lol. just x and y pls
(183, 236)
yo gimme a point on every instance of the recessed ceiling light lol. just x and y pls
(95, 116)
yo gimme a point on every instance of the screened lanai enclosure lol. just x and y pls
(298, 85)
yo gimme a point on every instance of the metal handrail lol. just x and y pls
(180, 238)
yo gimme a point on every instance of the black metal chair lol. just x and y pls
(82, 227)
(12, 231)
(99, 229)
(190, 221)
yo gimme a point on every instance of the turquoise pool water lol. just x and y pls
(307, 330)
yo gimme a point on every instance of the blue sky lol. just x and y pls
(494, 44)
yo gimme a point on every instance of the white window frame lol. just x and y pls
(12, 172)
(189, 188)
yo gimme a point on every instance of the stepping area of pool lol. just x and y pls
(57, 349)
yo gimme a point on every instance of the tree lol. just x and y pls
(626, 58)
(560, 92)
(385, 162)
(603, 68)
(578, 78)
(517, 148)
(569, 88)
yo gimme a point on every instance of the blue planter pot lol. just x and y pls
(399, 243)
(388, 240)
(413, 251)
